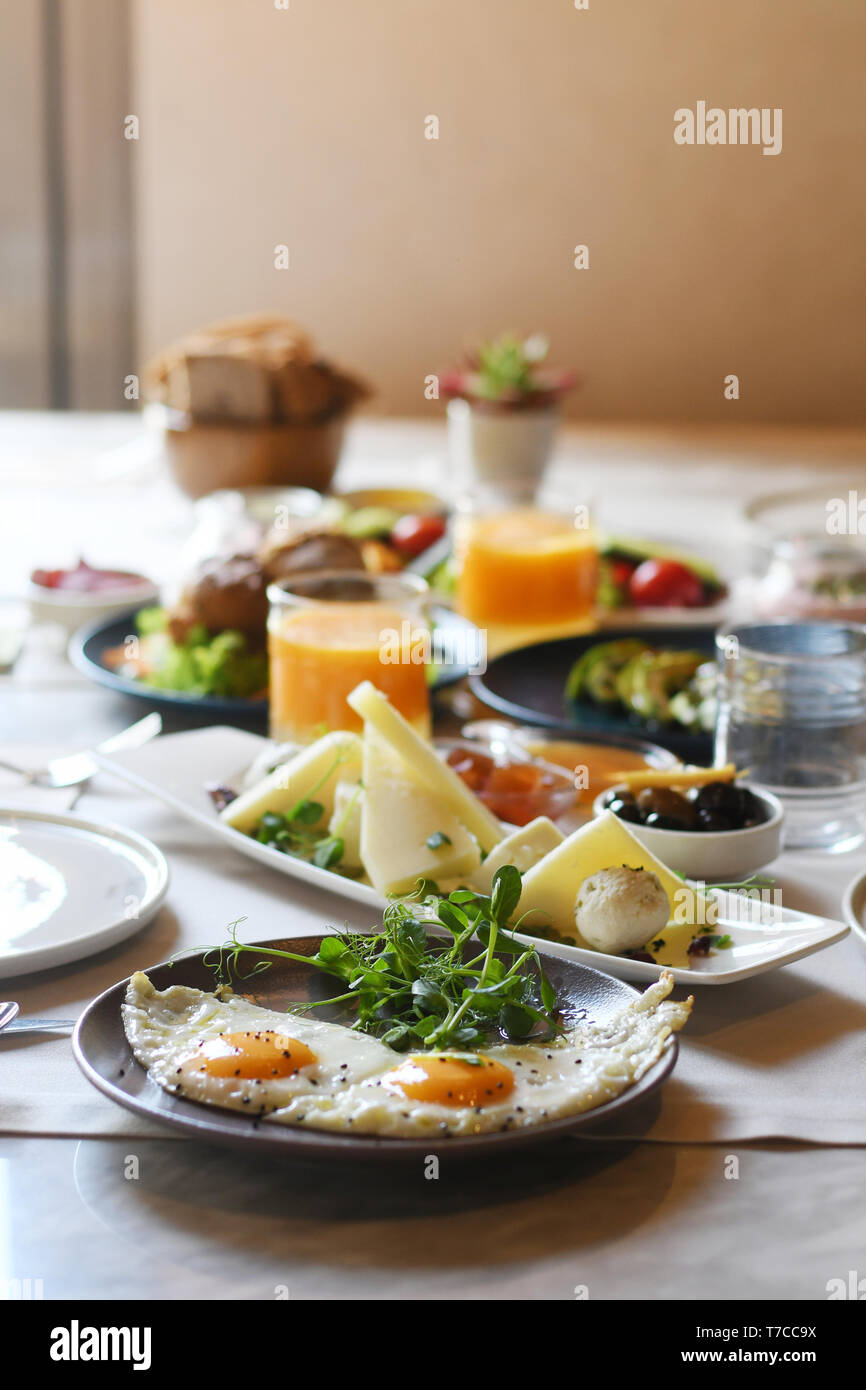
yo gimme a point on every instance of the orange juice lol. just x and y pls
(526, 566)
(319, 653)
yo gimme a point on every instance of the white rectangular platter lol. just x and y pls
(175, 768)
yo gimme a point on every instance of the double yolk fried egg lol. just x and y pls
(295, 1070)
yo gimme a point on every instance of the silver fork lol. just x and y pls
(9, 1013)
(78, 768)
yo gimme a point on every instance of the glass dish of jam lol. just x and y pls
(514, 788)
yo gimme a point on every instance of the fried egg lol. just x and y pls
(294, 1070)
(507, 1086)
(229, 1052)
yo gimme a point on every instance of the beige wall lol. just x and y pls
(306, 127)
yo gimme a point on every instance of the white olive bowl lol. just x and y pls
(714, 856)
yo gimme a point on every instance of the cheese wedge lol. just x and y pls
(550, 887)
(441, 780)
(399, 816)
(346, 822)
(314, 772)
(522, 848)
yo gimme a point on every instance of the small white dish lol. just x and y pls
(713, 856)
(175, 767)
(854, 906)
(70, 887)
(75, 608)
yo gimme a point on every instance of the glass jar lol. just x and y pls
(811, 577)
(524, 571)
(792, 711)
(328, 630)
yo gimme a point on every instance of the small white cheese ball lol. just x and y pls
(621, 909)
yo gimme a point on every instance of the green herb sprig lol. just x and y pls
(298, 831)
(417, 990)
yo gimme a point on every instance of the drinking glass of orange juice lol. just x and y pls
(330, 629)
(525, 570)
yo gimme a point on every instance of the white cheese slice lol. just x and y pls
(313, 773)
(346, 822)
(398, 817)
(441, 780)
(522, 848)
(550, 887)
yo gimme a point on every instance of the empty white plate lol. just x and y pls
(69, 888)
(175, 768)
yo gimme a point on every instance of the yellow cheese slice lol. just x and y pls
(550, 887)
(676, 776)
(398, 817)
(522, 848)
(441, 780)
(313, 773)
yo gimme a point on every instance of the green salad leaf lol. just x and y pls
(201, 664)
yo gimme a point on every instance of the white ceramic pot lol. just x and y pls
(507, 449)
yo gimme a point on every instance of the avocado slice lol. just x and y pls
(647, 684)
(594, 675)
(369, 522)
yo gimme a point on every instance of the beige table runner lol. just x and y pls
(782, 1055)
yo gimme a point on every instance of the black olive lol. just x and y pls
(752, 808)
(626, 810)
(663, 801)
(714, 820)
(618, 793)
(655, 821)
(720, 796)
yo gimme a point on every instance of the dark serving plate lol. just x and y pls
(104, 1055)
(87, 650)
(528, 684)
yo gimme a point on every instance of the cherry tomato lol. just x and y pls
(621, 572)
(665, 584)
(414, 534)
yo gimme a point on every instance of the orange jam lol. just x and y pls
(516, 792)
(594, 766)
(319, 653)
(527, 566)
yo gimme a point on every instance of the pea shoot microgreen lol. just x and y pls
(422, 981)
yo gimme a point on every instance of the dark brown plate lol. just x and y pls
(104, 1055)
(528, 684)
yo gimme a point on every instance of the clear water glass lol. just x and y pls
(792, 710)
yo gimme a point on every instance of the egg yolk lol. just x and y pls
(447, 1080)
(252, 1056)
